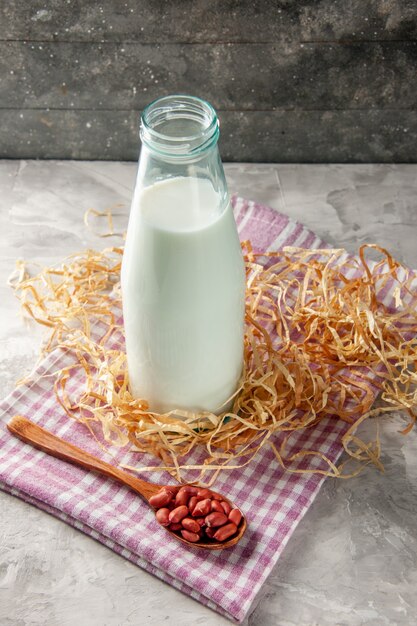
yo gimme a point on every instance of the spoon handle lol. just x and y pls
(33, 434)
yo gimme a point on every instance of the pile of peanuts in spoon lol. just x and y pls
(196, 514)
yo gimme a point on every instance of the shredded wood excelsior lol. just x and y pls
(325, 334)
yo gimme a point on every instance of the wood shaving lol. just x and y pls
(325, 334)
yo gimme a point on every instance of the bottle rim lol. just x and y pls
(174, 113)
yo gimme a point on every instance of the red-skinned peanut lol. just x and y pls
(160, 499)
(191, 524)
(235, 516)
(204, 493)
(193, 537)
(182, 497)
(177, 514)
(191, 504)
(162, 516)
(224, 532)
(216, 519)
(216, 506)
(226, 507)
(202, 508)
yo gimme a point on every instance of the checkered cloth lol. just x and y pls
(274, 501)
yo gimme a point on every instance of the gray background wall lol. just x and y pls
(293, 81)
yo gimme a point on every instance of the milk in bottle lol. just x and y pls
(183, 279)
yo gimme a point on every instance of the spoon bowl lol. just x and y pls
(35, 435)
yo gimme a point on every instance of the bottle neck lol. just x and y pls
(179, 129)
(179, 141)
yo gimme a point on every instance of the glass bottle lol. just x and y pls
(183, 278)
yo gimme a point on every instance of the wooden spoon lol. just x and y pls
(33, 434)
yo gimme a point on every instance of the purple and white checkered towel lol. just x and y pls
(273, 500)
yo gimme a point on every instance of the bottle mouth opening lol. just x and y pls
(179, 125)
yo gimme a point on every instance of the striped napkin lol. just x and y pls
(274, 501)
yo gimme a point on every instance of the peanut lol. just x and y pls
(204, 493)
(162, 515)
(216, 519)
(210, 532)
(175, 527)
(191, 524)
(235, 516)
(226, 507)
(160, 499)
(193, 537)
(216, 506)
(182, 497)
(193, 501)
(202, 508)
(177, 514)
(224, 532)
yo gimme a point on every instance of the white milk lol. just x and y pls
(183, 287)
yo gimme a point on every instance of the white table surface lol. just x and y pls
(353, 558)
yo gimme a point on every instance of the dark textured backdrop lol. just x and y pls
(293, 81)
